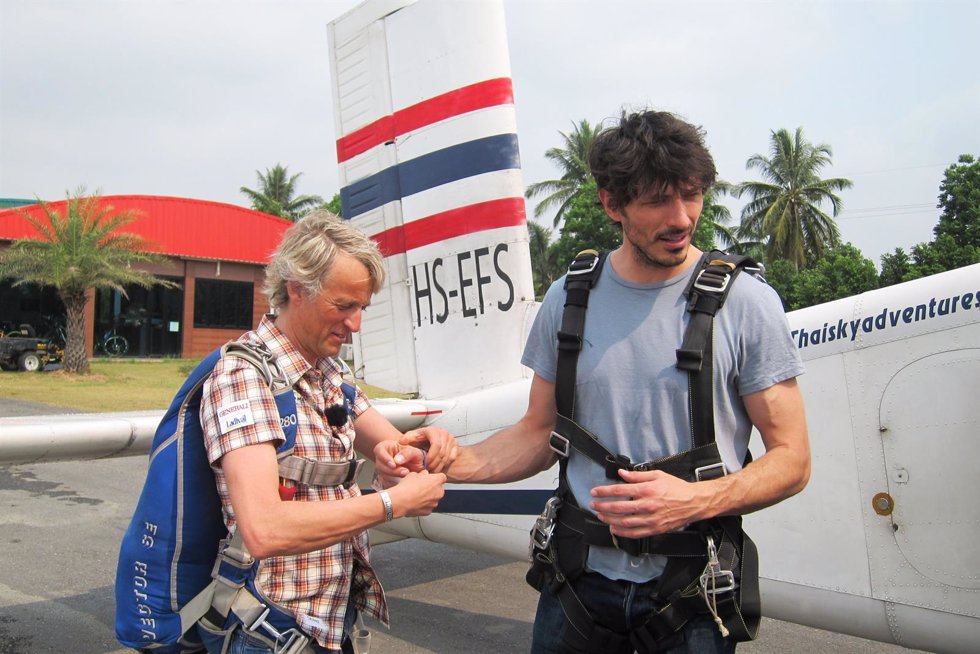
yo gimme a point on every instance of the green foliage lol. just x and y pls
(784, 207)
(573, 162)
(842, 272)
(783, 276)
(334, 206)
(712, 231)
(277, 194)
(704, 235)
(544, 268)
(894, 268)
(957, 234)
(939, 255)
(959, 198)
(82, 249)
(586, 226)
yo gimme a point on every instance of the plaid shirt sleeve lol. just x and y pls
(237, 409)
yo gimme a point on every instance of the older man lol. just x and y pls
(310, 540)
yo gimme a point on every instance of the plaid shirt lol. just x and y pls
(314, 587)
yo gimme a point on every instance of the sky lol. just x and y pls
(191, 98)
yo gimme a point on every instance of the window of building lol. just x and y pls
(222, 304)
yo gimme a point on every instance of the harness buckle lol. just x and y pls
(701, 473)
(559, 445)
(712, 282)
(290, 641)
(544, 526)
(715, 277)
(714, 580)
(588, 268)
(615, 463)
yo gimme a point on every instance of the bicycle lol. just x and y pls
(113, 344)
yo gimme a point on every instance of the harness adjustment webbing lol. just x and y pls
(310, 472)
(698, 464)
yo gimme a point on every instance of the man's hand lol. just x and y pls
(417, 494)
(392, 461)
(440, 446)
(649, 503)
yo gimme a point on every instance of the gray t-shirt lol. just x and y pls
(629, 392)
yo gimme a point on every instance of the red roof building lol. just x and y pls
(217, 256)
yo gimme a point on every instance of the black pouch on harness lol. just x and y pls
(537, 573)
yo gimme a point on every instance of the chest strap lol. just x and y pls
(310, 472)
(699, 464)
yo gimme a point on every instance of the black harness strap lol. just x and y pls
(582, 275)
(706, 293)
(698, 464)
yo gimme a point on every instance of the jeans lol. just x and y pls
(619, 606)
(242, 643)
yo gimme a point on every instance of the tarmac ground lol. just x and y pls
(61, 524)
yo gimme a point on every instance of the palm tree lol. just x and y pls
(573, 161)
(784, 209)
(715, 229)
(75, 252)
(544, 268)
(276, 196)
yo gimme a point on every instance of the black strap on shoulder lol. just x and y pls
(706, 294)
(583, 273)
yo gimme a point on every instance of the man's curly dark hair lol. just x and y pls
(649, 152)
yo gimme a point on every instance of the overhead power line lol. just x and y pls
(886, 211)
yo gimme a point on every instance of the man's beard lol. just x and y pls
(669, 260)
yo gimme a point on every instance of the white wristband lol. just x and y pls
(386, 500)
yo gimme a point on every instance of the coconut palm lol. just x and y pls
(715, 229)
(573, 162)
(82, 249)
(784, 208)
(278, 194)
(544, 268)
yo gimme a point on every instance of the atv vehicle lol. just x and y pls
(26, 353)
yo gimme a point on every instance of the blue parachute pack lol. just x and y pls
(177, 563)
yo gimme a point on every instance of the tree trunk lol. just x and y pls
(76, 360)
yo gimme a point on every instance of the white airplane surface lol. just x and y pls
(879, 545)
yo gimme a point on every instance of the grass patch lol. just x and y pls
(113, 385)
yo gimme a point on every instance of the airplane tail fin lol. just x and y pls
(430, 168)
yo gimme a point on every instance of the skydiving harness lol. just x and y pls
(712, 566)
(168, 579)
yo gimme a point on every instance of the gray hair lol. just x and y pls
(307, 251)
